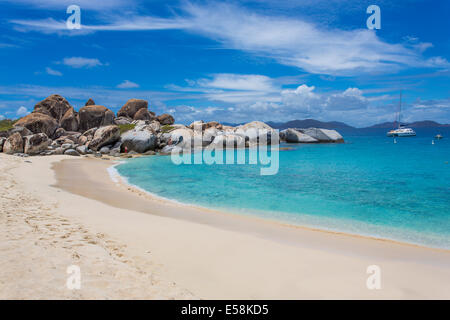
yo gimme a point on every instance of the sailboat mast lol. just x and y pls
(400, 108)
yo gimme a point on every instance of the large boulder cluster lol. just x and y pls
(55, 128)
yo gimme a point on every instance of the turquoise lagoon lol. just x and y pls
(366, 186)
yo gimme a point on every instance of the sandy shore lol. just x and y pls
(61, 211)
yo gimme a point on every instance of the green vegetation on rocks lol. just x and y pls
(167, 128)
(6, 124)
(126, 127)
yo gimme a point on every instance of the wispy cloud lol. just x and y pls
(22, 111)
(53, 72)
(80, 62)
(290, 41)
(127, 85)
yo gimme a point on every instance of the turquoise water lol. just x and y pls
(368, 186)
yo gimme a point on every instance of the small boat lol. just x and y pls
(402, 130)
(438, 137)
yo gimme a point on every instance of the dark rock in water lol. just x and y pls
(90, 102)
(166, 119)
(3, 134)
(70, 120)
(54, 106)
(14, 144)
(71, 152)
(144, 114)
(131, 107)
(95, 116)
(105, 136)
(36, 143)
(39, 123)
(22, 130)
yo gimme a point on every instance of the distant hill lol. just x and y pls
(417, 124)
(309, 123)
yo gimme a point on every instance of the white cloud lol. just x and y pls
(273, 103)
(302, 98)
(353, 105)
(80, 62)
(290, 41)
(53, 72)
(127, 85)
(238, 82)
(22, 111)
(350, 99)
(234, 88)
(2, 117)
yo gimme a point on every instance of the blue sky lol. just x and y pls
(233, 61)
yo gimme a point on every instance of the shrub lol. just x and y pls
(6, 124)
(126, 127)
(166, 128)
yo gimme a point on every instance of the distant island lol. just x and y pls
(336, 125)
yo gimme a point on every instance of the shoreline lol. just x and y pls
(195, 254)
(118, 178)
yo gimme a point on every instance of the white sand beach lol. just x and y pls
(60, 211)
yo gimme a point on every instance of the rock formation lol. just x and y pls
(70, 121)
(90, 102)
(166, 119)
(54, 127)
(14, 144)
(36, 143)
(95, 116)
(311, 135)
(104, 136)
(39, 123)
(132, 106)
(138, 140)
(54, 106)
(144, 114)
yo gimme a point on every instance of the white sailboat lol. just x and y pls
(402, 130)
